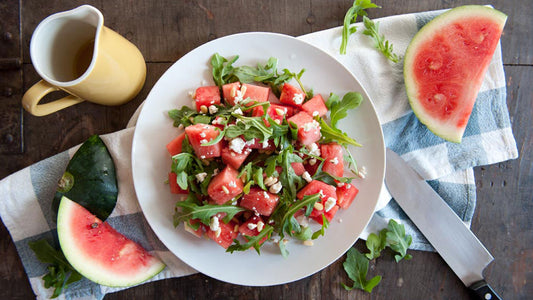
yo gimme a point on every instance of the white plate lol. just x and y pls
(151, 162)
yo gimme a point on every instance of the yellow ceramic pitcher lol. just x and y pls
(74, 51)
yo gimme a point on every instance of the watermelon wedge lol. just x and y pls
(445, 63)
(99, 252)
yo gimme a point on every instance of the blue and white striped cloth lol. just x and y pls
(25, 208)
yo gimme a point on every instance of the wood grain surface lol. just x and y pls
(166, 30)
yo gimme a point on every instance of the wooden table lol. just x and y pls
(166, 30)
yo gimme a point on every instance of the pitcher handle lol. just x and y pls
(32, 97)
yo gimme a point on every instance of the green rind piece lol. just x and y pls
(94, 179)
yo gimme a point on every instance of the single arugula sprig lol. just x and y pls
(252, 241)
(222, 69)
(60, 272)
(252, 174)
(376, 243)
(358, 9)
(339, 108)
(372, 30)
(398, 241)
(191, 209)
(356, 264)
(286, 224)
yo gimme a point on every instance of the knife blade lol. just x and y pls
(446, 232)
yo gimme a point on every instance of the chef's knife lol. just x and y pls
(452, 239)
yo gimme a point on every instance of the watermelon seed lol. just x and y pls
(435, 65)
(94, 225)
(439, 97)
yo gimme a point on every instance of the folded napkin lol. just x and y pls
(27, 194)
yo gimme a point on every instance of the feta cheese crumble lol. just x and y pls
(298, 99)
(307, 177)
(201, 176)
(213, 109)
(237, 145)
(214, 224)
(313, 149)
(330, 203)
(313, 125)
(275, 188)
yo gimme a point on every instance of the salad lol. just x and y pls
(260, 158)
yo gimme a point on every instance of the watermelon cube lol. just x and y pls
(328, 214)
(197, 232)
(234, 159)
(225, 186)
(235, 92)
(251, 227)
(276, 112)
(326, 191)
(315, 106)
(318, 187)
(174, 147)
(259, 201)
(199, 134)
(173, 183)
(255, 92)
(308, 128)
(346, 194)
(333, 159)
(226, 235)
(292, 95)
(206, 96)
(229, 91)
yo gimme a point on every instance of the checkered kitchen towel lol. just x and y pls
(27, 194)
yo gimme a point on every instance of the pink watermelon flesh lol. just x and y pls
(99, 252)
(445, 64)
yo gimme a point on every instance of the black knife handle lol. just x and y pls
(483, 291)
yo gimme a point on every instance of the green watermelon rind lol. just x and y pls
(445, 131)
(83, 263)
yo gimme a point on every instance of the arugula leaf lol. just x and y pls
(283, 216)
(352, 164)
(330, 134)
(339, 109)
(322, 230)
(222, 69)
(372, 30)
(253, 241)
(305, 234)
(191, 210)
(357, 9)
(184, 116)
(60, 272)
(398, 241)
(356, 266)
(376, 243)
(184, 164)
